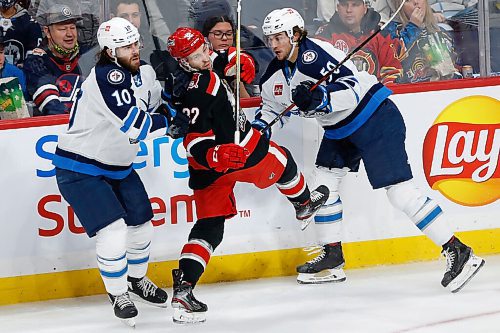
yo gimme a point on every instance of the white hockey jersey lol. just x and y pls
(110, 116)
(354, 96)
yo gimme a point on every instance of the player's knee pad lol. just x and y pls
(332, 210)
(418, 207)
(138, 248)
(204, 238)
(111, 256)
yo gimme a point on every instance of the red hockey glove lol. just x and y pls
(227, 156)
(247, 66)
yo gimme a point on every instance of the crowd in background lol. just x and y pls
(51, 45)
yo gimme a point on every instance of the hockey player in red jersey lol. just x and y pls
(216, 164)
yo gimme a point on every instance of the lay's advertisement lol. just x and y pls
(461, 151)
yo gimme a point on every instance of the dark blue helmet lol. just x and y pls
(5, 4)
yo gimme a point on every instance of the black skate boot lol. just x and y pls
(144, 290)
(124, 308)
(461, 265)
(305, 212)
(326, 267)
(187, 309)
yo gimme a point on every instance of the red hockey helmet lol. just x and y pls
(184, 41)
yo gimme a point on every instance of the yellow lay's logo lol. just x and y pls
(461, 151)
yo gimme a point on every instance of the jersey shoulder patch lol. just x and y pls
(205, 81)
(112, 75)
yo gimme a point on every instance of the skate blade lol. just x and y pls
(325, 276)
(305, 223)
(471, 267)
(182, 316)
(130, 322)
(135, 297)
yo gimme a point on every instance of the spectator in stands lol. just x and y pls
(350, 26)
(52, 72)
(220, 32)
(386, 8)
(9, 70)
(21, 33)
(428, 51)
(153, 49)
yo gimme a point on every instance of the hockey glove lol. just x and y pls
(176, 83)
(247, 66)
(259, 125)
(227, 156)
(179, 125)
(314, 103)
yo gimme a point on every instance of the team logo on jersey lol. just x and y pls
(309, 57)
(194, 81)
(341, 45)
(364, 62)
(278, 89)
(116, 76)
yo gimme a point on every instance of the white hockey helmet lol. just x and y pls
(116, 33)
(284, 19)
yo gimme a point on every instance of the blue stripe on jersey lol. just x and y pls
(130, 118)
(368, 105)
(159, 121)
(88, 169)
(145, 128)
(429, 218)
(139, 120)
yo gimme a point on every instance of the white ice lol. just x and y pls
(402, 298)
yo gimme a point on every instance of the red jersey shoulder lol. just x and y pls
(207, 81)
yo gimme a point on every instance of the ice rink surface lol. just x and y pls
(402, 298)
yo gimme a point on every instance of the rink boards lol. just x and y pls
(45, 253)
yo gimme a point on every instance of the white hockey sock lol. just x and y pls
(328, 220)
(423, 211)
(138, 246)
(111, 258)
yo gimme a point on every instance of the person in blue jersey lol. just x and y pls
(9, 70)
(21, 32)
(360, 122)
(119, 105)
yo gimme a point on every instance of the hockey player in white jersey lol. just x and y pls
(360, 122)
(94, 159)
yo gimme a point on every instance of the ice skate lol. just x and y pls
(124, 308)
(326, 267)
(305, 212)
(187, 309)
(461, 265)
(144, 290)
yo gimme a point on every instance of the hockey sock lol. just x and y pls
(328, 220)
(204, 238)
(292, 183)
(138, 247)
(423, 211)
(111, 257)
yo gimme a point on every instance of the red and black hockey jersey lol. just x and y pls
(209, 103)
(380, 56)
(52, 82)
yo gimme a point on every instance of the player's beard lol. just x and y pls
(132, 63)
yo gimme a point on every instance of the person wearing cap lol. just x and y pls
(52, 71)
(351, 25)
(9, 70)
(21, 34)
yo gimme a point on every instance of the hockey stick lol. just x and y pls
(238, 73)
(332, 71)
